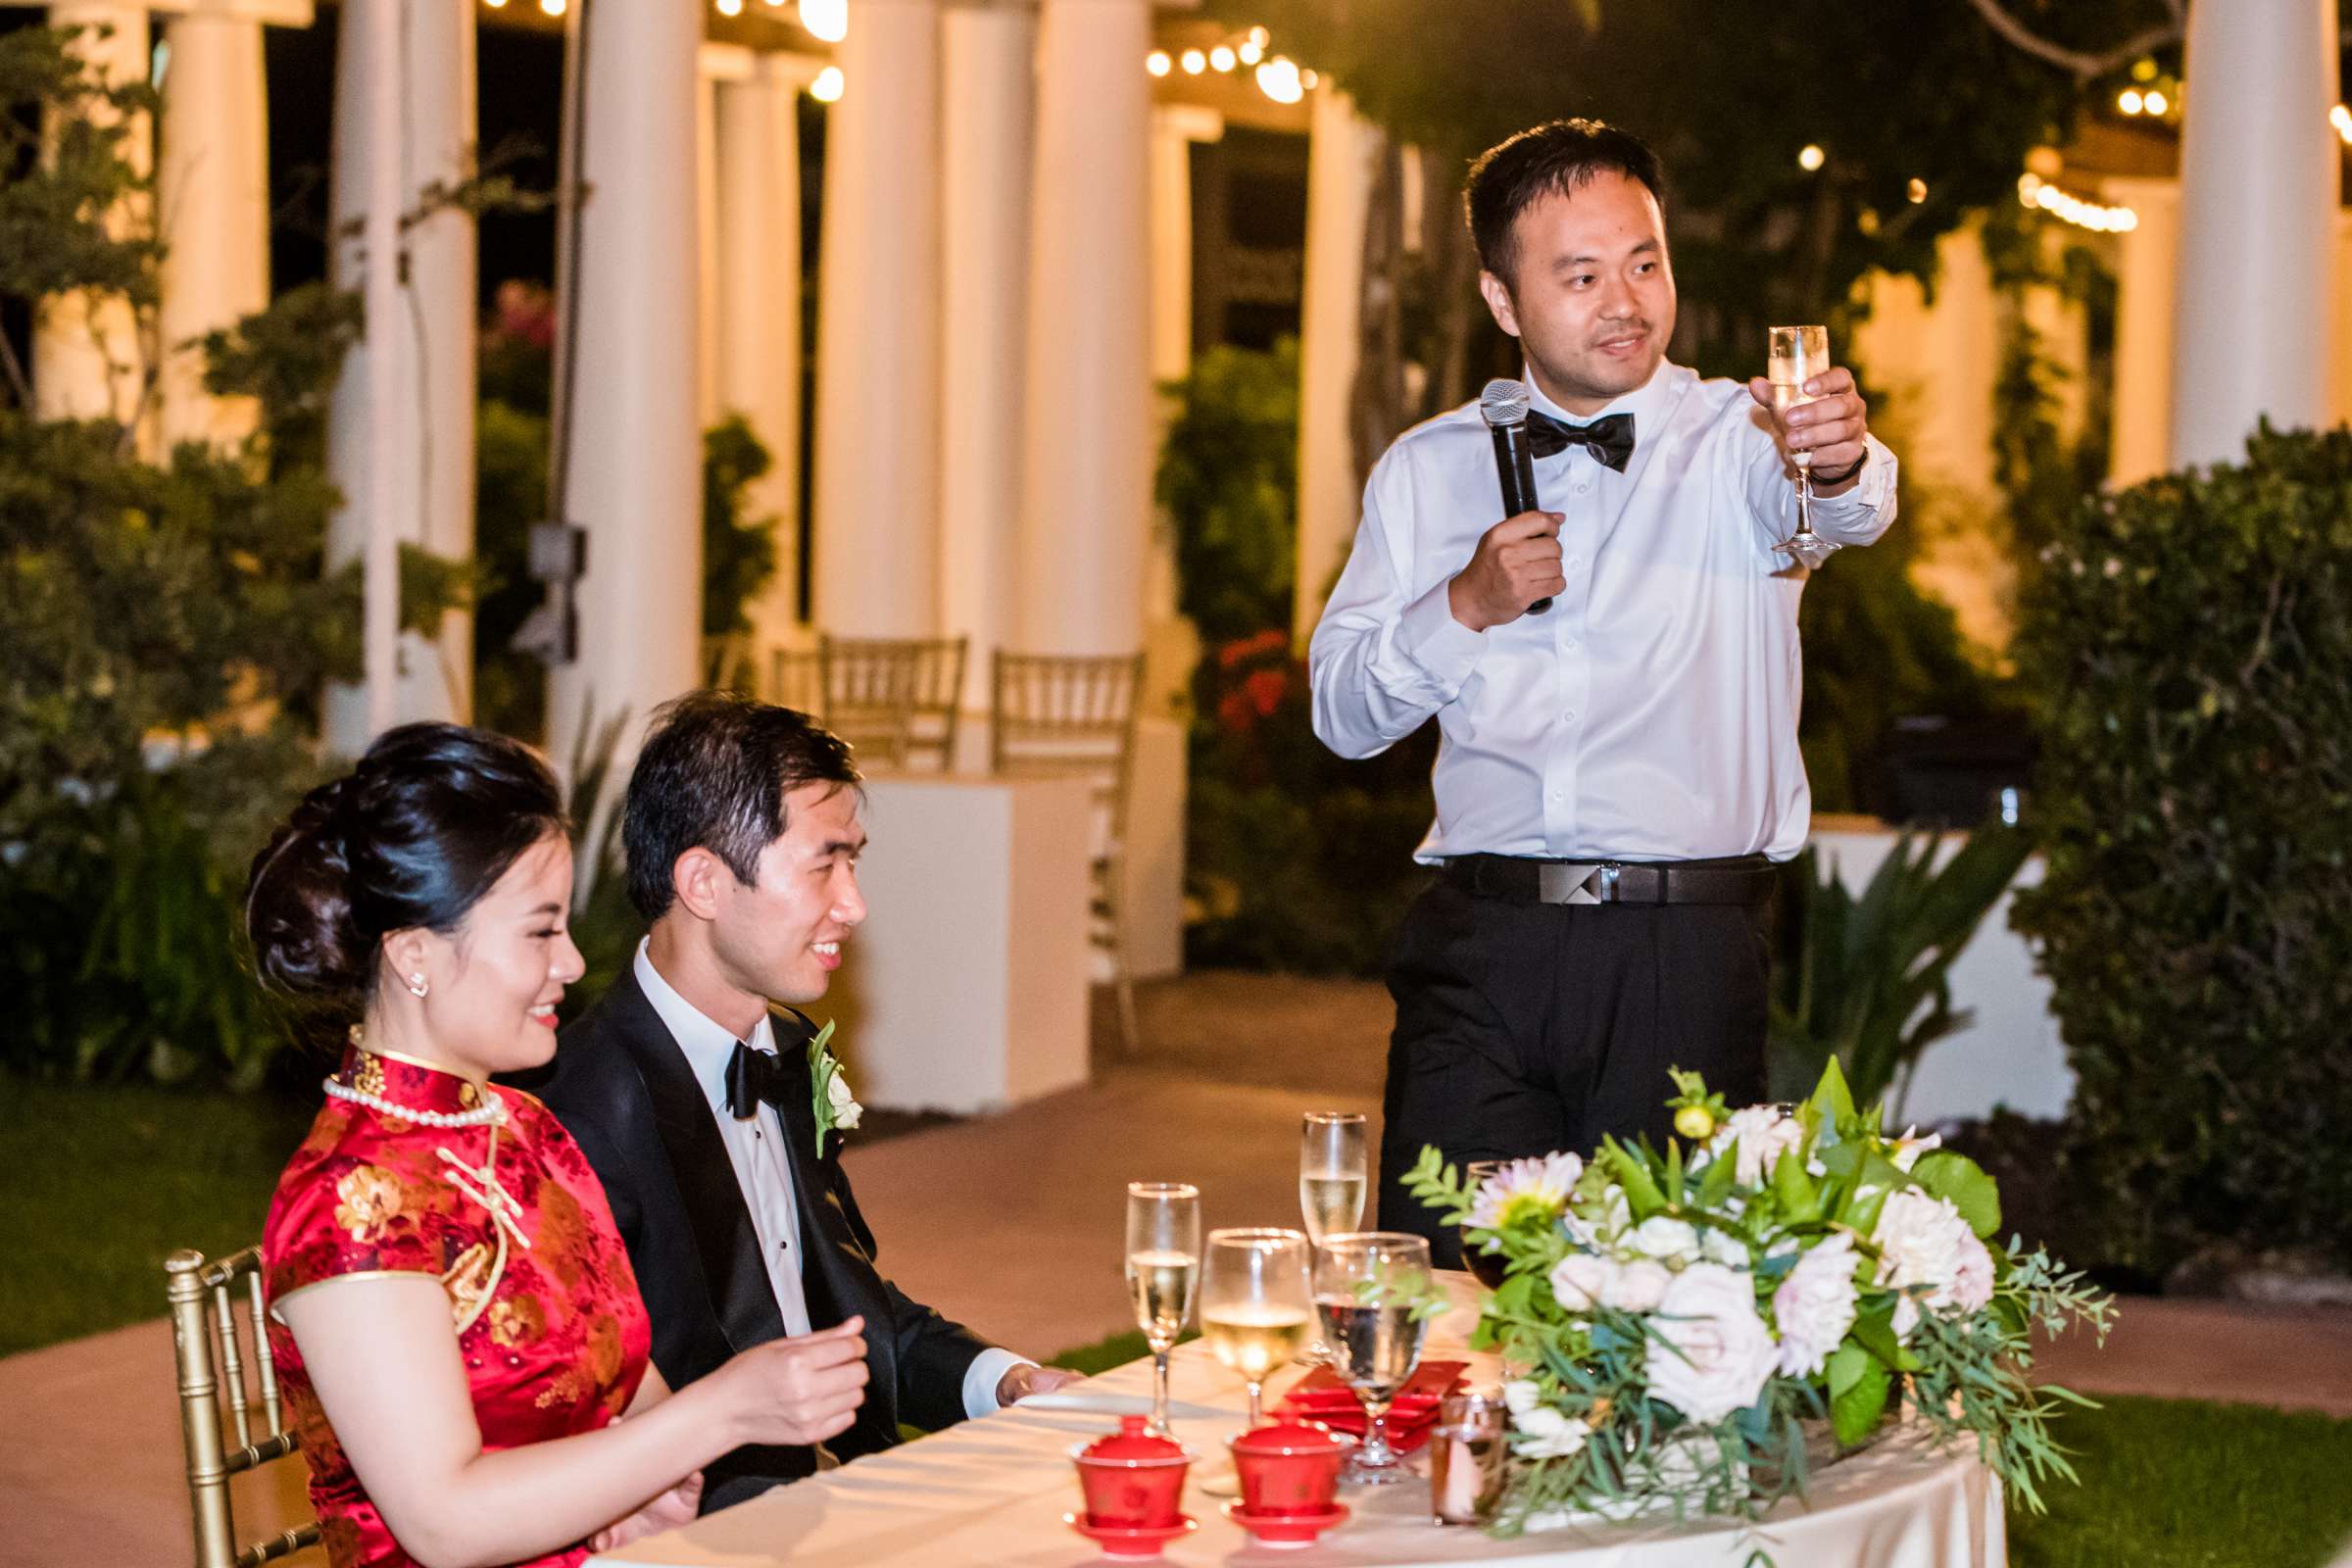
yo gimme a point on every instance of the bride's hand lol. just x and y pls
(674, 1507)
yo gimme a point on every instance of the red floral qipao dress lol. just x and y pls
(549, 1321)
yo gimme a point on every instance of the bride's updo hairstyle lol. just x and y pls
(411, 838)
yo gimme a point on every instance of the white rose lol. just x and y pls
(1668, 1240)
(1921, 1240)
(1712, 1354)
(1722, 1246)
(1637, 1286)
(1544, 1433)
(1814, 1306)
(846, 1110)
(1520, 1396)
(1579, 1281)
(1759, 1133)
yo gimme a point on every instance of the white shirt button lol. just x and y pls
(1583, 486)
(1560, 795)
(1569, 646)
(1575, 561)
(1568, 715)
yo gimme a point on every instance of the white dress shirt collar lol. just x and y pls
(1646, 402)
(706, 1043)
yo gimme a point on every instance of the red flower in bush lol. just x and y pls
(1265, 690)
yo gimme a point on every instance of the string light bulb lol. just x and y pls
(730, 8)
(2156, 102)
(1221, 59)
(1917, 190)
(2131, 101)
(1250, 51)
(2046, 196)
(1194, 62)
(828, 20)
(1309, 78)
(553, 8)
(1810, 157)
(496, 4)
(1278, 78)
(1158, 63)
(826, 88)
(2340, 116)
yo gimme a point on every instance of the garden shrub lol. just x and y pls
(2191, 643)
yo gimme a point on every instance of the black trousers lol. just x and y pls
(1528, 1028)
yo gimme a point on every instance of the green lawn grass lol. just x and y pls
(103, 1183)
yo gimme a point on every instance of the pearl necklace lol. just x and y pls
(481, 1116)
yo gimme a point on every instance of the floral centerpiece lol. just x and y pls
(1676, 1326)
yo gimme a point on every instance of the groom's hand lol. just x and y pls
(1020, 1381)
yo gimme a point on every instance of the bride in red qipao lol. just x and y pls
(457, 1327)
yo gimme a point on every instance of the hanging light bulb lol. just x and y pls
(1251, 51)
(1194, 62)
(2156, 102)
(826, 88)
(2130, 100)
(553, 8)
(828, 20)
(1220, 58)
(1158, 63)
(730, 8)
(1278, 80)
(1810, 157)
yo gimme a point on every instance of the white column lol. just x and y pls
(1086, 474)
(986, 104)
(759, 303)
(876, 493)
(213, 200)
(714, 63)
(1340, 148)
(86, 358)
(1175, 128)
(427, 433)
(2341, 383)
(636, 461)
(2258, 174)
(2141, 446)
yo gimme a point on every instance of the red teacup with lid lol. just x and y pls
(1291, 1468)
(1131, 1479)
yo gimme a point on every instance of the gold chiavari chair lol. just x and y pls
(207, 1344)
(795, 679)
(1074, 717)
(894, 698)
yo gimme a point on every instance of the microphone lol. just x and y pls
(1503, 405)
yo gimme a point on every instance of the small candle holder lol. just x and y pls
(1469, 1450)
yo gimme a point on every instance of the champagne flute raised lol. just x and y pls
(1163, 1269)
(1369, 1290)
(1794, 355)
(1255, 1309)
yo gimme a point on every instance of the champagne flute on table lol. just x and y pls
(1368, 1286)
(1331, 1183)
(1255, 1309)
(1163, 1270)
(1794, 355)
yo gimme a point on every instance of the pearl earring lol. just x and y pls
(418, 985)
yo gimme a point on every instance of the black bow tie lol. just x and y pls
(754, 1076)
(1611, 438)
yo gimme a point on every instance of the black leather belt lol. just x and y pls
(1748, 879)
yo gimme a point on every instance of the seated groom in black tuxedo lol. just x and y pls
(689, 1087)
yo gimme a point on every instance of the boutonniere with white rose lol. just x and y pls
(836, 1109)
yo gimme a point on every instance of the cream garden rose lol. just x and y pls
(1814, 1306)
(1712, 1353)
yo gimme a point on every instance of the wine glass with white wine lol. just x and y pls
(1163, 1269)
(1369, 1290)
(1794, 356)
(1331, 1173)
(1255, 1309)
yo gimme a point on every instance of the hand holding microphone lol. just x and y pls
(1516, 568)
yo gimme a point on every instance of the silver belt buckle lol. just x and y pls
(1573, 884)
(1608, 884)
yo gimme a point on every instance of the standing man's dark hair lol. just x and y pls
(713, 774)
(1548, 160)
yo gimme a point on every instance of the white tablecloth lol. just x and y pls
(994, 1490)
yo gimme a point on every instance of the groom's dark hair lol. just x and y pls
(1547, 159)
(713, 774)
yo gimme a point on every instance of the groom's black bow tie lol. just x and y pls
(1611, 437)
(754, 1076)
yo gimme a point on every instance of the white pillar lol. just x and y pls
(876, 493)
(714, 63)
(986, 104)
(86, 358)
(428, 431)
(2341, 405)
(213, 200)
(2259, 174)
(1175, 128)
(1340, 148)
(759, 146)
(2141, 446)
(1086, 474)
(636, 461)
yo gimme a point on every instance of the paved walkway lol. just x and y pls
(1013, 1223)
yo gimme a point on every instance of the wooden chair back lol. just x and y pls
(225, 1427)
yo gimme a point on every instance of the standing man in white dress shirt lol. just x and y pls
(1617, 772)
(688, 1087)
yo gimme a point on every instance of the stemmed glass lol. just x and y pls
(1163, 1268)
(1255, 1309)
(1331, 1171)
(1794, 356)
(1368, 1288)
